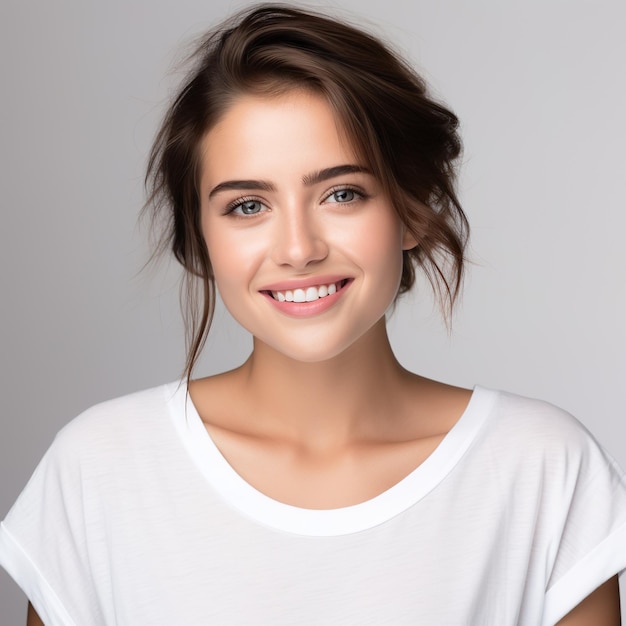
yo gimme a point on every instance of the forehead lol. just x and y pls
(293, 132)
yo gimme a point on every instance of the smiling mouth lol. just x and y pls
(308, 294)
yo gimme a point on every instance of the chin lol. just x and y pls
(312, 348)
(314, 356)
(311, 353)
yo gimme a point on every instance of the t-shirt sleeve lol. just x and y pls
(588, 544)
(43, 539)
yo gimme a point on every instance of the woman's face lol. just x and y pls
(305, 246)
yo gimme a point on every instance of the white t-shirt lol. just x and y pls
(134, 517)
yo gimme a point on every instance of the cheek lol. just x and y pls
(379, 242)
(234, 255)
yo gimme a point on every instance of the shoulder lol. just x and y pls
(539, 431)
(540, 462)
(534, 417)
(116, 425)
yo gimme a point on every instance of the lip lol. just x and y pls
(304, 283)
(307, 309)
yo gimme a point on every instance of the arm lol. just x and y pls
(600, 608)
(33, 619)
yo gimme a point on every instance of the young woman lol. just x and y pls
(306, 172)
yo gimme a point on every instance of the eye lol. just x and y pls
(246, 207)
(343, 195)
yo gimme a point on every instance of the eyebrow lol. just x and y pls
(308, 179)
(333, 172)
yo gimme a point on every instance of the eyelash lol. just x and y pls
(356, 190)
(235, 204)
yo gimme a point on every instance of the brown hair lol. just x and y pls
(409, 141)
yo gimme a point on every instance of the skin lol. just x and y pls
(602, 607)
(301, 229)
(33, 619)
(321, 415)
(378, 421)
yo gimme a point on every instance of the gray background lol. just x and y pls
(540, 88)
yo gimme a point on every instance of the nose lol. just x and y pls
(298, 239)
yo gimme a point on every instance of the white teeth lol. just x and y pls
(305, 295)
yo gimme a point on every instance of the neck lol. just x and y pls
(328, 403)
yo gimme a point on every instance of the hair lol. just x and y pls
(407, 139)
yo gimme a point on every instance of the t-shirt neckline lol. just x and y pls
(323, 522)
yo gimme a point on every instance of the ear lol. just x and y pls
(408, 239)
